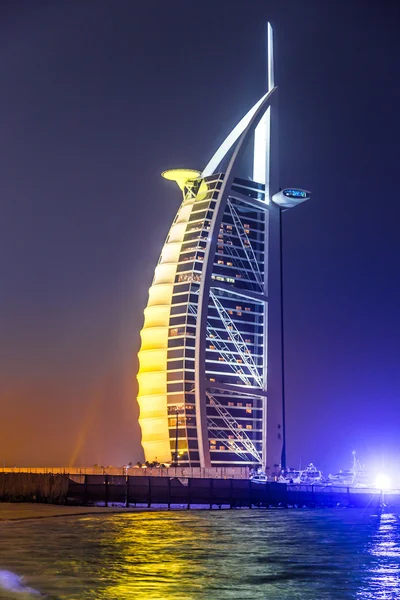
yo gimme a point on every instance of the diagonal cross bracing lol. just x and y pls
(233, 253)
(246, 245)
(236, 338)
(223, 349)
(233, 426)
(233, 445)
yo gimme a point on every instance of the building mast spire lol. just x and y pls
(262, 136)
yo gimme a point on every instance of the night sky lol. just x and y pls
(97, 98)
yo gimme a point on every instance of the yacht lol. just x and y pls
(311, 475)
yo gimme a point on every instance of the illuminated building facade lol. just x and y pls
(203, 356)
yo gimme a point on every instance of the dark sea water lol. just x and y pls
(217, 555)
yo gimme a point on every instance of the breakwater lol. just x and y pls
(131, 491)
(198, 472)
(32, 487)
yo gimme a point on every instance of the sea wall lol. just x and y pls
(31, 487)
(192, 472)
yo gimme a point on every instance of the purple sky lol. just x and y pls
(97, 99)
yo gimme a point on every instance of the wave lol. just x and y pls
(11, 582)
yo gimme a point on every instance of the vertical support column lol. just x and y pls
(149, 493)
(105, 490)
(176, 436)
(169, 493)
(85, 490)
(266, 495)
(275, 399)
(250, 493)
(127, 491)
(189, 493)
(231, 493)
(283, 429)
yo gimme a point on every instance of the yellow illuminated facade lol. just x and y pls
(152, 375)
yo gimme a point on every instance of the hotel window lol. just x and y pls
(229, 227)
(212, 347)
(212, 379)
(238, 276)
(239, 360)
(249, 426)
(238, 308)
(247, 308)
(213, 442)
(221, 359)
(222, 447)
(249, 405)
(240, 404)
(230, 312)
(231, 404)
(229, 264)
(248, 410)
(231, 437)
(239, 313)
(220, 262)
(240, 426)
(248, 340)
(213, 447)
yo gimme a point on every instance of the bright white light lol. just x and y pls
(270, 38)
(383, 482)
(262, 133)
(261, 151)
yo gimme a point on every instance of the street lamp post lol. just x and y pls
(285, 199)
(283, 456)
(176, 436)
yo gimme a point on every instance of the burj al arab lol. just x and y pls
(203, 360)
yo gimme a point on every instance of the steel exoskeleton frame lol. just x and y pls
(206, 282)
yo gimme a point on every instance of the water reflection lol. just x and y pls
(382, 580)
(268, 555)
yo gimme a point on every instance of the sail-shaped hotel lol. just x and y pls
(204, 344)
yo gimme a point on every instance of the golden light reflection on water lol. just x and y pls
(153, 558)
